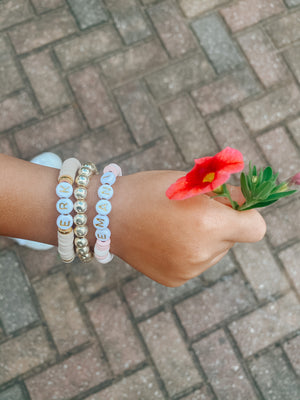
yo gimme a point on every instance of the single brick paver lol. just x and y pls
(166, 345)
(46, 82)
(129, 20)
(17, 309)
(141, 385)
(23, 353)
(226, 91)
(218, 45)
(10, 79)
(263, 57)
(61, 312)
(181, 76)
(88, 12)
(171, 28)
(142, 116)
(222, 368)
(275, 378)
(261, 269)
(267, 324)
(77, 374)
(37, 33)
(88, 47)
(13, 393)
(272, 108)
(111, 321)
(188, 128)
(245, 13)
(152, 85)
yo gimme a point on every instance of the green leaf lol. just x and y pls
(244, 187)
(267, 174)
(276, 196)
(264, 190)
(258, 205)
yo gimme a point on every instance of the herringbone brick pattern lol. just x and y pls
(152, 84)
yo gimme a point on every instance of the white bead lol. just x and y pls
(64, 189)
(69, 167)
(108, 178)
(106, 260)
(105, 192)
(103, 207)
(64, 206)
(64, 222)
(101, 253)
(103, 234)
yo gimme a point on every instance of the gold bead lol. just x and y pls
(81, 242)
(90, 166)
(83, 251)
(80, 206)
(68, 261)
(80, 193)
(82, 180)
(80, 219)
(66, 178)
(66, 232)
(87, 258)
(84, 171)
(81, 231)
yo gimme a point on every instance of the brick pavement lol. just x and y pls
(152, 84)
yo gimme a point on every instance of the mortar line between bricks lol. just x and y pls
(77, 22)
(24, 391)
(191, 351)
(193, 389)
(85, 316)
(243, 362)
(145, 349)
(288, 361)
(292, 139)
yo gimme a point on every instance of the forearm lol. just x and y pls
(28, 200)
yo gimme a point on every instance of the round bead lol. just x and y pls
(114, 168)
(80, 193)
(105, 192)
(64, 222)
(81, 231)
(80, 219)
(64, 206)
(101, 221)
(64, 189)
(108, 178)
(90, 166)
(80, 206)
(87, 258)
(103, 234)
(83, 251)
(81, 242)
(103, 207)
(82, 180)
(84, 171)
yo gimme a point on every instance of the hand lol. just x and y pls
(173, 241)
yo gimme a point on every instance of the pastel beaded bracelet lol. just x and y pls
(80, 206)
(103, 208)
(64, 190)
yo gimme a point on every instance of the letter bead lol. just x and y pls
(103, 207)
(105, 192)
(64, 222)
(103, 234)
(64, 189)
(64, 206)
(108, 178)
(101, 221)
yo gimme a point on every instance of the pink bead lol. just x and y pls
(114, 168)
(102, 245)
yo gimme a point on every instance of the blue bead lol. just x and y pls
(103, 234)
(64, 206)
(64, 189)
(105, 192)
(108, 178)
(103, 207)
(64, 222)
(101, 221)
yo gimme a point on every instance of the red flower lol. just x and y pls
(207, 174)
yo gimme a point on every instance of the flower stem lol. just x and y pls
(234, 204)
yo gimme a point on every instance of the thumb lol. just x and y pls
(247, 226)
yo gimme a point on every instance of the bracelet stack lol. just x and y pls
(80, 207)
(72, 242)
(103, 208)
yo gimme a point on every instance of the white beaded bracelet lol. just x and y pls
(103, 208)
(64, 190)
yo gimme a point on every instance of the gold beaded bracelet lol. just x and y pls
(80, 206)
